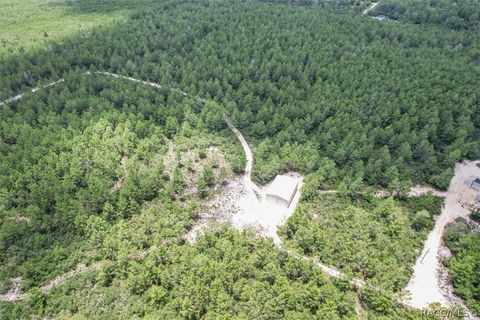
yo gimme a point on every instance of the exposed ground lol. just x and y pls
(242, 204)
(426, 286)
(370, 8)
(15, 293)
(33, 90)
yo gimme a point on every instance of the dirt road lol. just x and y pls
(266, 218)
(35, 89)
(372, 6)
(248, 155)
(425, 286)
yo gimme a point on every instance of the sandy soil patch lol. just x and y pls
(425, 286)
(372, 6)
(15, 293)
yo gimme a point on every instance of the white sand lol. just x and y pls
(372, 6)
(425, 286)
(262, 215)
(250, 210)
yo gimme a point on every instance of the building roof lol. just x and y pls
(283, 187)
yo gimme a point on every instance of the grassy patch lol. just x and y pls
(26, 24)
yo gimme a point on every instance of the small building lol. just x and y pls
(282, 190)
(476, 184)
(380, 18)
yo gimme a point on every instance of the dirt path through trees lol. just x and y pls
(15, 293)
(425, 286)
(372, 6)
(266, 218)
(248, 155)
(33, 90)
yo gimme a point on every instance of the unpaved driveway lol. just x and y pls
(253, 211)
(425, 286)
(248, 155)
(372, 6)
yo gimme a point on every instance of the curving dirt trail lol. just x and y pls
(424, 285)
(248, 155)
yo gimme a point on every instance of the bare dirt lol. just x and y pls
(60, 279)
(425, 286)
(372, 6)
(241, 203)
(15, 293)
(33, 90)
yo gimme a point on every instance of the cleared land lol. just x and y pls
(425, 286)
(250, 209)
(26, 24)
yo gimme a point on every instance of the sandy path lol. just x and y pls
(248, 155)
(152, 84)
(248, 211)
(35, 89)
(417, 191)
(80, 268)
(425, 286)
(266, 218)
(372, 6)
(16, 294)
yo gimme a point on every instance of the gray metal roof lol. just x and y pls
(283, 187)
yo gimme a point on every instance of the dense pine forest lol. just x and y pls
(374, 98)
(113, 174)
(456, 15)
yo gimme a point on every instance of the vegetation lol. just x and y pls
(148, 273)
(93, 147)
(27, 25)
(370, 238)
(475, 216)
(304, 98)
(464, 265)
(337, 6)
(452, 14)
(97, 169)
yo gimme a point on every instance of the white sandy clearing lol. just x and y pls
(424, 286)
(243, 204)
(262, 215)
(250, 211)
